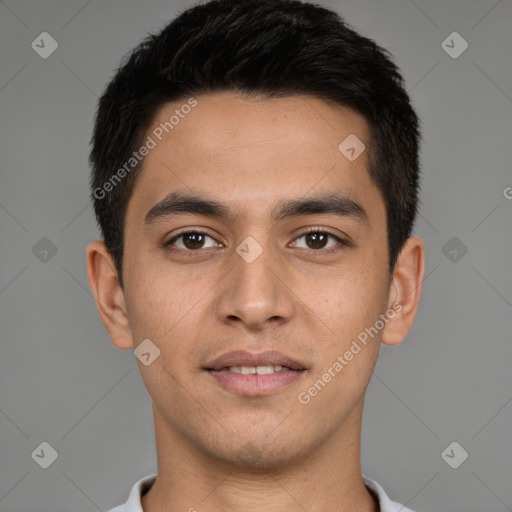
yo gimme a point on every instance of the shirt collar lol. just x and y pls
(385, 503)
(144, 484)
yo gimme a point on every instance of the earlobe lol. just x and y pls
(405, 291)
(109, 296)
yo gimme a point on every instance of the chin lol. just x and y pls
(260, 455)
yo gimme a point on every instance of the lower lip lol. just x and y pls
(254, 384)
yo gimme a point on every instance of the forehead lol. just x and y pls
(250, 151)
(224, 120)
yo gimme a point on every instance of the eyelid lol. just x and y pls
(342, 241)
(186, 231)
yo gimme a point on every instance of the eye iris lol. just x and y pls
(317, 237)
(197, 240)
(315, 240)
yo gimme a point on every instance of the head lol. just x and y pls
(236, 108)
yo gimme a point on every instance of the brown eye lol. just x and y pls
(191, 240)
(317, 240)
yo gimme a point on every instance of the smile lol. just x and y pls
(260, 370)
(255, 380)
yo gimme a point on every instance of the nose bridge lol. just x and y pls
(253, 292)
(254, 264)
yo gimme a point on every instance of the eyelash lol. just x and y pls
(341, 242)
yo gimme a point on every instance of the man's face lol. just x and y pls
(201, 298)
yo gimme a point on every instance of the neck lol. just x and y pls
(327, 478)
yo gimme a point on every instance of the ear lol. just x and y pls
(405, 291)
(109, 296)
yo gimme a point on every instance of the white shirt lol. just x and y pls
(144, 484)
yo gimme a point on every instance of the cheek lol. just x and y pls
(346, 311)
(161, 307)
(155, 297)
(170, 311)
(349, 301)
(164, 313)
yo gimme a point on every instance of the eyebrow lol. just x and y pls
(334, 203)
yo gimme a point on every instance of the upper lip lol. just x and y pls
(244, 358)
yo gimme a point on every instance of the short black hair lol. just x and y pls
(269, 48)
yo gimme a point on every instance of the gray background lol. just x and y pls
(63, 382)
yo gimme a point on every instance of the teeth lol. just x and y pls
(265, 370)
(252, 370)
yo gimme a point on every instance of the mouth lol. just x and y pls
(263, 360)
(256, 370)
(249, 374)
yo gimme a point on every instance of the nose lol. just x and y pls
(255, 293)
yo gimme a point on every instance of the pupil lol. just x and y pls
(317, 235)
(197, 239)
